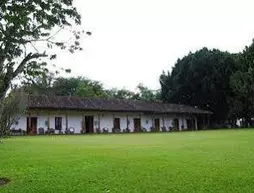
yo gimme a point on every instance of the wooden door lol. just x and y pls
(31, 125)
(58, 123)
(157, 124)
(89, 124)
(137, 125)
(116, 123)
(176, 124)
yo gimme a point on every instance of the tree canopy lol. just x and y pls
(242, 84)
(201, 79)
(84, 87)
(24, 24)
(29, 31)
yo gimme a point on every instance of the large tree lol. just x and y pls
(29, 32)
(13, 108)
(242, 84)
(90, 88)
(146, 94)
(66, 86)
(77, 86)
(201, 79)
(120, 93)
(50, 84)
(142, 93)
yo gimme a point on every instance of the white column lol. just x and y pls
(179, 124)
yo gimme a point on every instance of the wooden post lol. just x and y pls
(113, 128)
(66, 121)
(203, 124)
(163, 121)
(48, 121)
(127, 122)
(153, 125)
(208, 121)
(153, 122)
(140, 126)
(83, 124)
(99, 121)
(29, 123)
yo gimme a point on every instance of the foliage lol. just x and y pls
(201, 79)
(77, 86)
(13, 108)
(143, 93)
(84, 87)
(28, 33)
(120, 94)
(40, 85)
(242, 84)
(89, 88)
(156, 163)
(65, 86)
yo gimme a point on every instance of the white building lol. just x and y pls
(93, 115)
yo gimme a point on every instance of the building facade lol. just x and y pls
(62, 115)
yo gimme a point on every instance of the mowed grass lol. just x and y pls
(209, 161)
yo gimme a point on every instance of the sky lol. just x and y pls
(133, 41)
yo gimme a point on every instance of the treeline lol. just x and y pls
(214, 80)
(80, 86)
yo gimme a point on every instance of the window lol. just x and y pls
(58, 123)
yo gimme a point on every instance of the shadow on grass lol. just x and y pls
(4, 181)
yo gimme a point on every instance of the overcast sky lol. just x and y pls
(134, 40)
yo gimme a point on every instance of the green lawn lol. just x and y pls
(211, 161)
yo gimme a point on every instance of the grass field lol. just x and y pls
(211, 161)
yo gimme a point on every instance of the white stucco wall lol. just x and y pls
(21, 124)
(106, 120)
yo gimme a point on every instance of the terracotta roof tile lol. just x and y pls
(103, 104)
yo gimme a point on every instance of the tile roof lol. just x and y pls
(104, 104)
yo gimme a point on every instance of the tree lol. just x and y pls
(201, 79)
(242, 84)
(146, 94)
(13, 108)
(66, 86)
(49, 84)
(89, 88)
(142, 93)
(120, 93)
(77, 86)
(242, 101)
(41, 85)
(28, 33)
